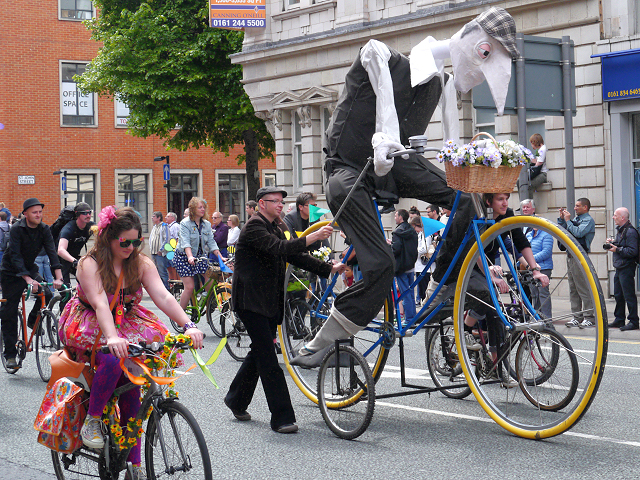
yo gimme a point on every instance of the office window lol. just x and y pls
(133, 192)
(77, 108)
(122, 113)
(231, 194)
(76, 9)
(297, 152)
(81, 187)
(184, 186)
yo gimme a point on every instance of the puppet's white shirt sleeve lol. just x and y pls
(374, 57)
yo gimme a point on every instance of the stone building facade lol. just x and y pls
(295, 67)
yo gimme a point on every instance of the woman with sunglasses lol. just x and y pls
(88, 316)
(194, 244)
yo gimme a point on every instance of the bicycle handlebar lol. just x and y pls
(64, 289)
(409, 151)
(139, 349)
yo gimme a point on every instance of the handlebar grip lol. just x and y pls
(105, 349)
(399, 153)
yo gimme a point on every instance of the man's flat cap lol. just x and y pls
(266, 190)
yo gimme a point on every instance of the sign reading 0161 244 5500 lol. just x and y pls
(237, 14)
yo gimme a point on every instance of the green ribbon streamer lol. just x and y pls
(204, 365)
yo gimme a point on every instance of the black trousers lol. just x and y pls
(261, 362)
(416, 178)
(12, 288)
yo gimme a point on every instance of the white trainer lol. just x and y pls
(91, 432)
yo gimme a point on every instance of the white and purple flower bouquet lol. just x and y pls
(485, 152)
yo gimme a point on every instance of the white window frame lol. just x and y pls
(136, 171)
(268, 172)
(98, 185)
(120, 121)
(67, 19)
(233, 171)
(93, 95)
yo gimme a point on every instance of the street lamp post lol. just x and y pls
(64, 184)
(166, 175)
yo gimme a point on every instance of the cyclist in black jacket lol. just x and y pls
(18, 269)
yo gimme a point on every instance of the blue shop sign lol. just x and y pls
(620, 75)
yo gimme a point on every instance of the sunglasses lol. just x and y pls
(88, 212)
(125, 243)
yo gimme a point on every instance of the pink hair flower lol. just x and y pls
(106, 215)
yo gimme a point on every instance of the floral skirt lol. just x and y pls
(79, 327)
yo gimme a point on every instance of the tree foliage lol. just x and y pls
(162, 59)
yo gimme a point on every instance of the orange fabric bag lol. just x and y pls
(61, 416)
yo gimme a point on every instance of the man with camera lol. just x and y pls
(583, 228)
(625, 253)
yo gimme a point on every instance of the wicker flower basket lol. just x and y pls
(482, 178)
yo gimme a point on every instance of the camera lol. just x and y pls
(607, 246)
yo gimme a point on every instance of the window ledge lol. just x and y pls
(318, 7)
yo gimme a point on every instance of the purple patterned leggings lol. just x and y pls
(107, 378)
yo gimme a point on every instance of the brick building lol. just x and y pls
(49, 126)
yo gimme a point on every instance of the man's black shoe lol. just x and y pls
(616, 324)
(287, 428)
(629, 326)
(241, 415)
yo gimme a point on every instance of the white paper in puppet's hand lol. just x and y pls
(382, 146)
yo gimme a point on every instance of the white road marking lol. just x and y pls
(488, 420)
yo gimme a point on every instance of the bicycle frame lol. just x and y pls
(153, 398)
(423, 319)
(210, 286)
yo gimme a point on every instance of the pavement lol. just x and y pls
(562, 306)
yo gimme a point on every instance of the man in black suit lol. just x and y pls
(262, 252)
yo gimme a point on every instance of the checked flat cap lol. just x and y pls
(498, 23)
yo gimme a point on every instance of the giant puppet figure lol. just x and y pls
(388, 98)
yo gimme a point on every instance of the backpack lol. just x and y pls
(66, 215)
(4, 243)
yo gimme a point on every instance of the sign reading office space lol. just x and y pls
(75, 102)
(237, 14)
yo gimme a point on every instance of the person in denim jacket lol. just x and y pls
(194, 244)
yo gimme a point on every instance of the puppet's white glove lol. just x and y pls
(382, 146)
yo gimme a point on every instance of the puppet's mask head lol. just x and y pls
(483, 49)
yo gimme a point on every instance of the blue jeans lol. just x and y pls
(624, 291)
(161, 264)
(44, 268)
(404, 282)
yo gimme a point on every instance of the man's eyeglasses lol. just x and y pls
(125, 243)
(88, 212)
(275, 202)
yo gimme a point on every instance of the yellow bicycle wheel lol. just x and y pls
(515, 393)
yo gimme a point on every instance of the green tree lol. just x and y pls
(163, 60)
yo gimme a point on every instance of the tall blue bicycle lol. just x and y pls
(555, 381)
